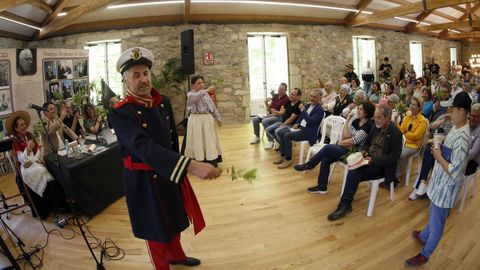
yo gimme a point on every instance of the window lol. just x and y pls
(453, 56)
(363, 52)
(416, 57)
(103, 56)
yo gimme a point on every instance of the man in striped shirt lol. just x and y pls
(446, 180)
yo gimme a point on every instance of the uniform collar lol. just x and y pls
(147, 102)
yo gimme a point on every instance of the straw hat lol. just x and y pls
(9, 122)
(356, 161)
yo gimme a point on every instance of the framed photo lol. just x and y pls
(4, 74)
(54, 91)
(65, 69)
(80, 68)
(6, 105)
(26, 62)
(79, 85)
(67, 88)
(50, 70)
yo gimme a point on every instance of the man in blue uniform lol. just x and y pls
(160, 199)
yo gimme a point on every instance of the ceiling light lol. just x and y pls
(17, 22)
(61, 14)
(367, 12)
(145, 4)
(277, 4)
(425, 23)
(454, 31)
(406, 19)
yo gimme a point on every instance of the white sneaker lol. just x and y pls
(255, 140)
(413, 195)
(422, 188)
(269, 145)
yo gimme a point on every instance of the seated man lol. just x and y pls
(382, 150)
(273, 106)
(305, 128)
(69, 118)
(290, 113)
(56, 129)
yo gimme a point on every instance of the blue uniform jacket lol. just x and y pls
(154, 198)
(314, 119)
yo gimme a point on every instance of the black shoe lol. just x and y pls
(342, 210)
(317, 190)
(302, 167)
(189, 261)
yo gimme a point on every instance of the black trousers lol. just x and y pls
(354, 177)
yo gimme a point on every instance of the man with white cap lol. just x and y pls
(160, 199)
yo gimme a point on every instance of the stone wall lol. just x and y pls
(469, 49)
(314, 51)
(12, 43)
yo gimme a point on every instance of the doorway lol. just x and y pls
(267, 68)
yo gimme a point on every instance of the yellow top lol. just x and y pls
(416, 133)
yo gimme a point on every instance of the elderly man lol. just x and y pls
(159, 196)
(274, 105)
(56, 129)
(26, 63)
(382, 150)
(349, 73)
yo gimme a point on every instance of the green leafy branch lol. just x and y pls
(248, 174)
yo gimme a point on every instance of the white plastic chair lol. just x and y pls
(303, 144)
(466, 184)
(417, 155)
(336, 126)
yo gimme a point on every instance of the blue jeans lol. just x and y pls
(432, 233)
(270, 130)
(329, 154)
(267, 121)
(354, 177)
(287, 137)
(366, 87)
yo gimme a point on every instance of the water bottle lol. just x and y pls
(67, 147)
(81, 140)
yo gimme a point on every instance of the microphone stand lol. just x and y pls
(69, 197)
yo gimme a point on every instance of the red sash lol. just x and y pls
(190, 202)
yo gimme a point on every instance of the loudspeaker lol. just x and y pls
(187, 52)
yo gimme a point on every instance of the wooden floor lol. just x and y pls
(273, 223)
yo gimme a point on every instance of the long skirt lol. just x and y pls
(203, 142)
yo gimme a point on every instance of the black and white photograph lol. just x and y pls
(5, 102)
(67, 88)
(26, 62)
(65, 69)
(46, 90)
(4, 74)
(80, 68)
(50, 70)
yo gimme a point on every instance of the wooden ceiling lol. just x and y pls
(447, 19)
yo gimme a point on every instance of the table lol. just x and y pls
(94, 181)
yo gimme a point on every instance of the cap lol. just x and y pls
(462, 100)
(448, 103)
(349, 66)
(134, 56)
(393, 98)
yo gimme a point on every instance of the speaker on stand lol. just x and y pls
(187, 53)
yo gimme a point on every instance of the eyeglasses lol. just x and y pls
(474, 116)
(413, 105)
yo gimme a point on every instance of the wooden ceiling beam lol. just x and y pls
(435, 12)
(41, 5)
(475, 34)
(59, 6)
(452, 25)
(422, 16)
(7, 4)
(17, 18)
(186, 11)
(472, 11)
(59, 23)
(363, 4)
(14, 36)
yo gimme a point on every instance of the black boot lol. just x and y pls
(342, 210)
(189, 261)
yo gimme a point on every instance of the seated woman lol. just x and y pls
(342, 100)
(46, 193)
(92, 122)
(353, 136)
